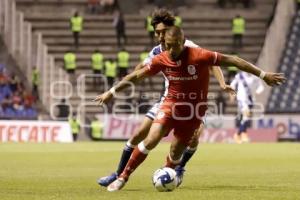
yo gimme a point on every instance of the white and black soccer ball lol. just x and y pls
(164, 179)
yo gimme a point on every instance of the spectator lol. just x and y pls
(247, 3)
(75, 126)
(96, 129)
(13, 83)
(35, 82)
(109, 5)
(123, 62)
(150, 29)
(76, 23)
(110, 71)
(29, 112)
(238, 30)
(70, 64)
(93, 6)
(16, 99)
(4, 89)
(221, 3)
(97, 65)
(7, 101)
(28, 99)
(232, 70)
(63, 110)
(144, 55)
(119, 24)
(178, 19)
(7, 107)
(221, 103)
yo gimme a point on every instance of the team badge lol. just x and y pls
(160, 115)
(191, 69)
(178, 62)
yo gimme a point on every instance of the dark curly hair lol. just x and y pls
(162, 16)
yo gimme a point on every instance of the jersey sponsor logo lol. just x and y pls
(189, 78)
(191, 69)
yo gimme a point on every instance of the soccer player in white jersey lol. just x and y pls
(162, 20)
(247, 86)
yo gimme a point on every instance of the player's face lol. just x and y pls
(160, 31)
(174, 46)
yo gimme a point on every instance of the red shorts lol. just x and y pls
(184, 130)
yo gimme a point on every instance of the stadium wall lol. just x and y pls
(268, 128)
(275, 40)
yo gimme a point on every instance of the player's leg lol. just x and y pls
(188, 153)
(157, 131)
(244, 122)
(136, 138)
(245, 125)
(176, 150)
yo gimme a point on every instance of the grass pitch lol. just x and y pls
(217, 171)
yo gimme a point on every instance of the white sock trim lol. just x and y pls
(129, 144)
(142, 148)
(191, 149)
(176, 162)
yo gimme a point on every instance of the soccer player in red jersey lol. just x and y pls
(162, 20)
(187, 70)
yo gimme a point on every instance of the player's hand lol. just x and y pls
(103, 98)
(229, 90)
(273, 79)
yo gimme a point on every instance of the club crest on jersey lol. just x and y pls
(191, 69)
(178, 62)
(160, 115)
(168, 70)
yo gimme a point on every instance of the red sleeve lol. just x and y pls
(210, 57)
(155, 66)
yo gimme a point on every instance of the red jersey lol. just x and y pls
(188, 77)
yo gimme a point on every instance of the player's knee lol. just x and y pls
(150, 143)
(138, 136)
(194, 142)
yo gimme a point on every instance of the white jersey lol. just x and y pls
(156, 51)
(247, 86)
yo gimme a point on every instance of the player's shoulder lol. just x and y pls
(160, 57)
(156, 50)
(190, 43)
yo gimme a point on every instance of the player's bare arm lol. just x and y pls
(133, 77)
(139, 66)
(270, 78)
(220, 77)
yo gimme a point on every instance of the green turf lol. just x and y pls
(217, 171)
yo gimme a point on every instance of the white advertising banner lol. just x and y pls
(35, 131)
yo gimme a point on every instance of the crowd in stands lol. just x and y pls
(15, 101)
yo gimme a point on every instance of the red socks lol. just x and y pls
(135, 160)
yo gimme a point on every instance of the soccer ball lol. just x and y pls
(164, 179)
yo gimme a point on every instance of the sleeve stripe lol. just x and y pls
(216, 57)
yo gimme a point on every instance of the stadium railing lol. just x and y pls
(28, 50)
